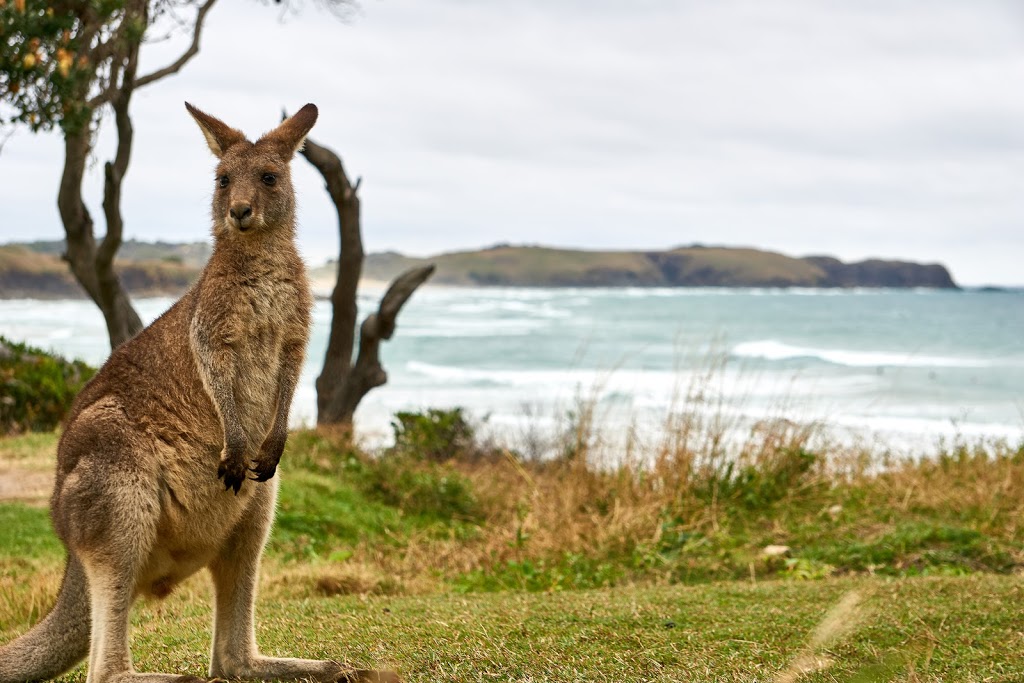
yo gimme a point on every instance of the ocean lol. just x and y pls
(910, 368)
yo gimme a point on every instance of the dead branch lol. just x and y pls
(342, 384)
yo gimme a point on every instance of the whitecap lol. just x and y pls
(773, 350)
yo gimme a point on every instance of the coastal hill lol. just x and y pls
(35, 270)
(692, 266)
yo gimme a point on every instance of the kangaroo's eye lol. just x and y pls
(269, 179)
(223, 181)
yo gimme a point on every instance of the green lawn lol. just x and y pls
(916, 629)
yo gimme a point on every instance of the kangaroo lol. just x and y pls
(166, 463)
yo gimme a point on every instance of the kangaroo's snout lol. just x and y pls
(241, 215)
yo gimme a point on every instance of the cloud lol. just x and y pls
(860, 129)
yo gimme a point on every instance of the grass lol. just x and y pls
(921, 629)
(487, 521)
(464, 561)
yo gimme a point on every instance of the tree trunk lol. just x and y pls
(91, 267)
(342, 384)
(126, 322)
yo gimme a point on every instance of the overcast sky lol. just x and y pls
(884, 128)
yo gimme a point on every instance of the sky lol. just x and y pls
(876, 128)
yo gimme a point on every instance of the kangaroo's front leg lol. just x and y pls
(216, 360)
(265, 463)
(235, 575)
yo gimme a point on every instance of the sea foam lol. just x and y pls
(773, 350)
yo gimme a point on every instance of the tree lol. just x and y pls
(62, 63)
(342, 383)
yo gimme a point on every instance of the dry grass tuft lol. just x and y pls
(27, 591)
(841, 621)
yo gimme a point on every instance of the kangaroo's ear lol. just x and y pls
(291, 134)
(219, 136)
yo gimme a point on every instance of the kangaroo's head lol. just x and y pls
(253, 186)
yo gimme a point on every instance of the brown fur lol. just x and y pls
(153, 463)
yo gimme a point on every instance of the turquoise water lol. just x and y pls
(905, 365)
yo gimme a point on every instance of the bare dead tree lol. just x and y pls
(342, 383)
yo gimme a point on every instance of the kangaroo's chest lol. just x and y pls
(260, 320)
(274, 326)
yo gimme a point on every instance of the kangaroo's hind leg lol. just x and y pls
(235, 574)
(112, 592)
(107, 512)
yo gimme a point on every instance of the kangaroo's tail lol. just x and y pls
(56, 643)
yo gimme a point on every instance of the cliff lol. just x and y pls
(157, 269)
(694, 266)
(29, 274)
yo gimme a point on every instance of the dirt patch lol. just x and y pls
(24, 485)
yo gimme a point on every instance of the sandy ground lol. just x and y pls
(24, 484)
(26, 471)
(322, 283)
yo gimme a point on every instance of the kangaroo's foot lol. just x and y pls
(235, 654)
(132, 677)
(274, 668)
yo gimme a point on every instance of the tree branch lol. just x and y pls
(367, 372)
(398, 293)
(330, 167)
(341, 384)
(333, 378)
(191, 52)
(113, 173)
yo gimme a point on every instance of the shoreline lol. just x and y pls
(846, 360)
(323, 287)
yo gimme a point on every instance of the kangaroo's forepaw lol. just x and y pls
(265, 465)
(233, 473)
(269, 456)
(263, 472)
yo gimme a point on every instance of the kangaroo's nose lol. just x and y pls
(240, 211)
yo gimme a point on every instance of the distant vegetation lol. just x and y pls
(693, 266)
(192, 254)
(467, 516)
(36, 387)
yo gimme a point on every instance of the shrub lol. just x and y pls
(761, 483)
(36, 388)
(421, 488)
(436, 435)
